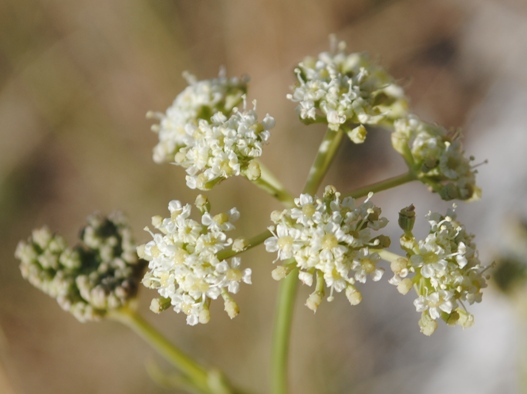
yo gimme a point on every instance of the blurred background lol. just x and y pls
(76, 79)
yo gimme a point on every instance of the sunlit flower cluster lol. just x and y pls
(436, 157)
(445, 271)
(200, 100)
(184, 265)
(205, 133)
(223, 147)
(345, 90)
(99, 275)
(328, 239)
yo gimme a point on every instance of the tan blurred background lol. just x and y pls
(76, 79)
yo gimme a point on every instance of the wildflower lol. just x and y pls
(92, 279)
(205, 133)
(223, 147)
(345, 91)
(445, 271)
(184, 266)
(329, 240)
(200, 100)
(436, 158)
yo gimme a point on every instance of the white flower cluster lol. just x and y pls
(436, 158)
(99, 275)
(184, 266)
(343, 89)
(205, 133)
(446, 272)
(200, 100)
(329, 239)
(223, 147)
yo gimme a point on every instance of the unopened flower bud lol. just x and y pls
(407, 219)
(98, 276)
(427, 325)
(405, 286)
(253, 171)
(202, 203)
(358, 134)
(354, 296)
(231, 307)
(159, 304)
(239, 244)
(314, 300)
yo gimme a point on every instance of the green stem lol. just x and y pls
(271, 185)
(384, 185)
(284, 317)
(287, 292)
(249, 244)
(324, 158)
(202, 379)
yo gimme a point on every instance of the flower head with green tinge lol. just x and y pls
(92, 279)
(328, 239)
(445, 271)
(346, 90)
(436, 158)
(184, 266)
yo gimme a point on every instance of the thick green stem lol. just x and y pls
(283, 319)
(286, 295)
(268, 182)
(324, 158)
(383, 185)
(202, 379)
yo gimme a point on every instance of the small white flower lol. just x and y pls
(329, 240)
(183, 263)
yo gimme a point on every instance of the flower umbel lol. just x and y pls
(200, 100)
(436, 158)
(205, 133)
(223, 147)
(97, 276)
(445, 271)
(346, 90)
(183, 261)
(329, 239)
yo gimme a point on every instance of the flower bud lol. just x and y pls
(407, 219)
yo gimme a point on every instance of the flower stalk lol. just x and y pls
(324, 158)
(383, 185)
(283, 321)
(206, 381)
(270, 184)
(287, 292)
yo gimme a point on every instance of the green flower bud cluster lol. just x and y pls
(436, 158)
(97, 276)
